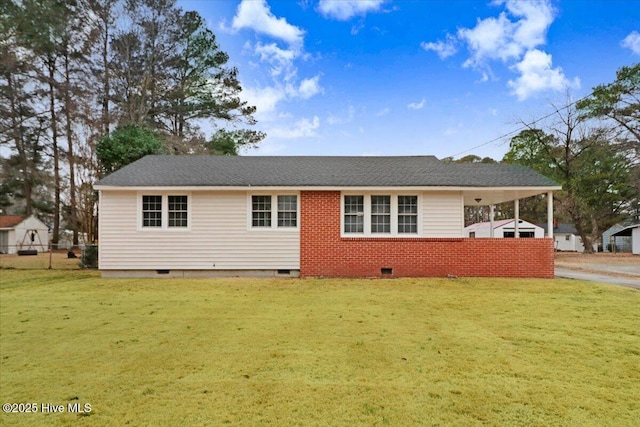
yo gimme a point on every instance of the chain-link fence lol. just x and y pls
(51, 256)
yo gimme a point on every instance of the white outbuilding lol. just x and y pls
(18, 233)
(504, 228)
(632, 231)
(566, 238)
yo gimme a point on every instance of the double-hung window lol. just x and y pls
(152, 211)
(261, 211)
(380, 215)
(353, 214)
(161, 212)
(408, 214)
(274, 211)
(178, 211)
(287, 211)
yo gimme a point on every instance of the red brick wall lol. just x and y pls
(324, 253)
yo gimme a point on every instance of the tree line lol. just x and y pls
(87, 86)
(592, 148)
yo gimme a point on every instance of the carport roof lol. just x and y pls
(626, 231)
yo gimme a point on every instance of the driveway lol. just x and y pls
(615, 269)
(620, 280)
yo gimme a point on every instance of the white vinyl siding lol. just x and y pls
(442, 214)
(217, 238)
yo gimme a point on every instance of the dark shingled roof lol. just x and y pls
(319, 171)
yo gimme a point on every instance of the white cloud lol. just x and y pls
(356, 28)
(444, 49)
(256, 15)
(503, 38)
(281, 60)
(383, 112)
(344, 10)
(489, 39)
(632, 41)
(537, 75)
(309, 87)
(343, 117)
(277, 59)
(303, 128)
(264, 99)
(513, 38)
(417, 105)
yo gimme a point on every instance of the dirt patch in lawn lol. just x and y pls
(621, 264)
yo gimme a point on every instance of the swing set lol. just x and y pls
(29, 240)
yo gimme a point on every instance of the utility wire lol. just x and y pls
(523, 127)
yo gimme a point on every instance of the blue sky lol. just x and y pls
(375, 77)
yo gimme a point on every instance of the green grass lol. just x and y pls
(468, 352)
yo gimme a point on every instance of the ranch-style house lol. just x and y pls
(314, 216)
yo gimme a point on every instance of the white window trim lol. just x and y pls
(274, 212)
(394, 214)
(165, 211)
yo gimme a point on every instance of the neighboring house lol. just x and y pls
(312, 216)
(18, 233)
(504, 228)
(566, 237)
(633, 233)
(616, 243)
(65, 240)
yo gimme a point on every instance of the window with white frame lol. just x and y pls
(287, 211)
(261, 211)
(274, 211)
(160, 211)
(152, 211)
(408, 214)
(354, 214)
(178, 211)
(380, 214)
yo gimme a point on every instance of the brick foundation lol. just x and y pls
(323, 253)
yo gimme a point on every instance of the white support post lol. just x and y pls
(550, 214)
(516, 209)
(491, 215)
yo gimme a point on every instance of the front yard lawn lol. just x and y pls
(282, 352)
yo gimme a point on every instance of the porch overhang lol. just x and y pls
(493, 196)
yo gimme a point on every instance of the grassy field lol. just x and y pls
(439, 352)
(42, 261)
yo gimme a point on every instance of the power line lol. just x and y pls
(523, 127)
